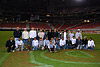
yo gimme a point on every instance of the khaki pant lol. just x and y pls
(20, 48)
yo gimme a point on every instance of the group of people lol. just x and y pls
(52, 40)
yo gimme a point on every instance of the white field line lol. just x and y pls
(3, 58)
(42, 55)
(89, 56)
(32, 60)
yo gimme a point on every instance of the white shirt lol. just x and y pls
(73, 41)
(32, 34)
(25, 35)
(78, 34)
(41, 34)
(46, 42)
(35, 43)
(71, 35)
(65, 36)
(91, 43)
(19, 42)
(62, 42)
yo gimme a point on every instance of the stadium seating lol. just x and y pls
(12, 25)
(86, 26)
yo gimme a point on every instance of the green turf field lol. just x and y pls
(64, 58)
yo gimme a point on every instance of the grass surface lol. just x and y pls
(64, 58)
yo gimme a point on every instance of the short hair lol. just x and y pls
(11, 36)
(90, 38)
(73, 36)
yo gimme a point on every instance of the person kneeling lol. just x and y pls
(41, 46)
(62, 43)
(19, 43)
(91, 44)
(10, 44)
(29, 45)
(35, 44)
(51, 47)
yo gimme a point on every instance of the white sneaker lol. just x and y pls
(13, 51)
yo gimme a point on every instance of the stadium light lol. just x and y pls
(47, 15)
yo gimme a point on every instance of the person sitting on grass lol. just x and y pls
(29, 45)
(62, 43)
(53, 42)
(35, 44)
(79, 43)
(85, 42)
(51, 47)
(73, 42)
(46, 43)
(57, 43)
(10, 45)
(69, 44)
(41, 43)
(19, 43)
(91, 44)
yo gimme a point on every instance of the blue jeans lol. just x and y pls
(35, 48)
(91, 48)
(85, 47)
(57, 47)
(62, 47)
(24, 41)
(69, 47)
(16, 39)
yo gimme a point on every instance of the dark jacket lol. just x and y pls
(17, 34)
(69, 42)
(85, 42)
(79, 42)
(55, 34)
(9, 43)
(49, 35)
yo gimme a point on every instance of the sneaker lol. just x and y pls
(13, 51)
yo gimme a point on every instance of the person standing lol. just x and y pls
(32, 34)
(59, 34)
(17, 34)
(78, 34)
(49, 34)
(71, 34)
(41, 34)
(25, 36)
(45, 34)
(65, 35)
(10, 44)
(55, 34)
